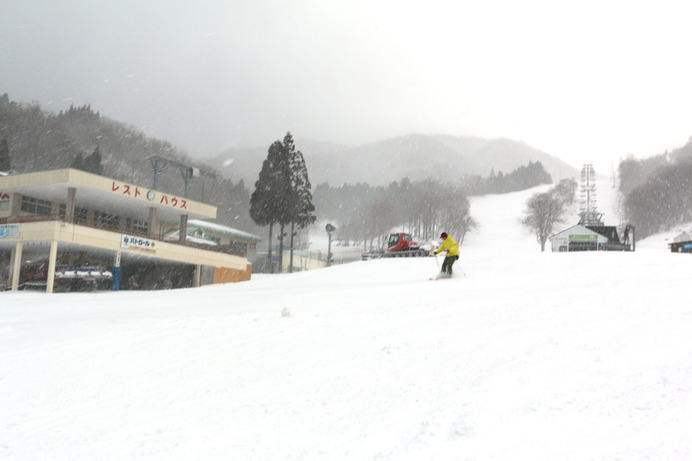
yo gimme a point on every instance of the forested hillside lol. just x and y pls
(41, 140)
(367, 213)
(657, 191)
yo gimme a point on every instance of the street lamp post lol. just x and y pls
(330, 229)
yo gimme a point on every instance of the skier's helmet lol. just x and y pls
(443, 235)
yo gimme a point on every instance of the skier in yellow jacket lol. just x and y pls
(452, 248)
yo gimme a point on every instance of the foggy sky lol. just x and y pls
(587, 82)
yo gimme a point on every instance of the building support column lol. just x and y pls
(16, 205)
(152, 224)
(183, 229)
(16, 265)
(50, 281)
(69, 207)
(197, 277)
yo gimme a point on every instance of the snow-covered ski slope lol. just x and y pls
(531, 356)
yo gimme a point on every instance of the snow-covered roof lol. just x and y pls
(682, 237)
(175, 235)
(197, 232)
(579, 230)
(223, 230)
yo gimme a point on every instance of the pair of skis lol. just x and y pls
(442, 275)
(445, 276)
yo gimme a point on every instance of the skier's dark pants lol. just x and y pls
(447, 264)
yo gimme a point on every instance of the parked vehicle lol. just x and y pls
(67, 277)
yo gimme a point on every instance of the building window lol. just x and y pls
(35, 205)
(80, 214)
(4, 205)
(108, 219)
(139, 226)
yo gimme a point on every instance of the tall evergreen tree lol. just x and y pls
(78, 162)
(5, 164)
(92, 163)
(282, 193)
(271, 196)
(302, 208)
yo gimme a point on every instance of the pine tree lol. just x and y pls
(5, 164)
(269, 200)
(287, 192)
(78, 162)
(282, 193)
(302, 209)
(92, 163)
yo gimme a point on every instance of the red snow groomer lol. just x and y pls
(401, 244)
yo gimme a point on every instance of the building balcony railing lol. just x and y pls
(119, 230)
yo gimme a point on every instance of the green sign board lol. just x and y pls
(583, 237)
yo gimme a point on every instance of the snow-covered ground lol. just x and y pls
(529, 356)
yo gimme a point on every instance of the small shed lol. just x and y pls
(577, 238)
(681, 247)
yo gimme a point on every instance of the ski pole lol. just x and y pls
(462, 270)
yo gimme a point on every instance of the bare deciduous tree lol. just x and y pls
(547, 209)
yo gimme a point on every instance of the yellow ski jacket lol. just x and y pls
(450, 245)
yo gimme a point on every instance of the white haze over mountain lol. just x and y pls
(586, 83)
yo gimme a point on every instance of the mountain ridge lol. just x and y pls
(416, 156)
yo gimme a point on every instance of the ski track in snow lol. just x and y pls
(529, 356)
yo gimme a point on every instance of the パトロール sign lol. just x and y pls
(131, 242)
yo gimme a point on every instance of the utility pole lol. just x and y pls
(186, 171)
(330, 229)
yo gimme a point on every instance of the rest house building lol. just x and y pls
(61, 228)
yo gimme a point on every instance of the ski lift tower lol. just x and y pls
(588, 214)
